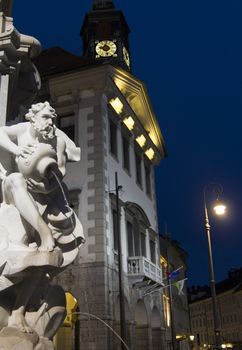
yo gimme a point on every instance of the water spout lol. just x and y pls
(64, 196)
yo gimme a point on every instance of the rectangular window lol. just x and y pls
(147, 179)
(130, 239)
(152, 251)
(115, 230)
(67, 124)
(126, 162)
(136, 238)
(113, 138)
(143, 244)
(138, 168)
(74, 200)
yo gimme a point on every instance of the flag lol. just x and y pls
(180, 285)
(174, 274)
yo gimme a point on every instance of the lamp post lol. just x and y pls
(219, 209)
(191, 339)
(120, 270)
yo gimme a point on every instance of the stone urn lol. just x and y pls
(37, 164)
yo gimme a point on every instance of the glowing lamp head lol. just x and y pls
(219, 208)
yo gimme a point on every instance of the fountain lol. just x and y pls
(40, 235)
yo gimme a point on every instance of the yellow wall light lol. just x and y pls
(117, 105)
(129, 122)
(141, 140)
(150, 153)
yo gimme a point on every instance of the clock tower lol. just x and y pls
(105, 35)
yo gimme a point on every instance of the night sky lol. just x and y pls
(189, 54)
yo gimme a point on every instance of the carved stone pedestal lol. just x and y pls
(13, 339)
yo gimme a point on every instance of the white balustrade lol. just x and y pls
(141, 266)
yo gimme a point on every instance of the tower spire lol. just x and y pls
(102, 4)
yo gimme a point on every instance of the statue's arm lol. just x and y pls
(8, 138)
(61, 156)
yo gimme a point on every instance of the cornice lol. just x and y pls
(113, 80)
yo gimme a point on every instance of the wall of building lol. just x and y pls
(229, 307)
(93, 278)
(175, 256)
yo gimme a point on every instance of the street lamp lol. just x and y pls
(219, 209)
(191, 338)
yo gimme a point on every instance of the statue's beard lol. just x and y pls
(47, 133)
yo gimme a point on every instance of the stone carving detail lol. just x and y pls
(19, 78)
(39, 233)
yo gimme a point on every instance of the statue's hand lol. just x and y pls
(24, 151)
(35, 186)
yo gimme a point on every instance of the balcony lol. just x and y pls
(140, 267)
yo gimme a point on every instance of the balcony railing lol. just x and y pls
(139, 266)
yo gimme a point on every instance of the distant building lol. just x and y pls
(229, 306)
(175, 301)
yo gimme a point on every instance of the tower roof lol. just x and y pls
(102, 5)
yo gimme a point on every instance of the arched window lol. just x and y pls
(137, 226)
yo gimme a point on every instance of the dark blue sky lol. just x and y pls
(189, 54)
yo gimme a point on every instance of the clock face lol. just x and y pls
(126, 56)
(106, 48)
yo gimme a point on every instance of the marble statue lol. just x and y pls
(6, 7)
(19, 79)
(39, 233)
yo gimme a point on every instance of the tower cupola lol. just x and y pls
(105, 35)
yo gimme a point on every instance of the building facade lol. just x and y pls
(229, 308)
(175, 297)
(107, 112)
